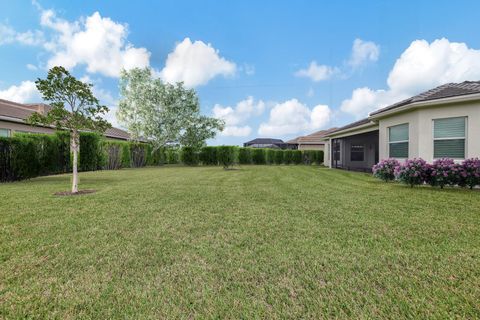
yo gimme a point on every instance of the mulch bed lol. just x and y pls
(79, 193)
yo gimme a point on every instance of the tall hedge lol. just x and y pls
(172, 155)
(126, 158)
(258, 156)
(91, 154)
(279, 156)
(138, 154)
(208, 156)
(189, 156)
(244, 155)
(226, 155)
(113, 155)
(296, 156)
(270, 156)
(288, 156)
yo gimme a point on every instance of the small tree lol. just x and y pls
(73, 107)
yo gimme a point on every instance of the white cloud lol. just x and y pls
(235, 117)
(31, 67)
(292, 117)
(363, 52)
(317, 72)
(195, 64)
(421, 66)
(9, 35)
(23, 93)
(97, 42)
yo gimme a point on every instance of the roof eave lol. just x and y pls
(464, 98)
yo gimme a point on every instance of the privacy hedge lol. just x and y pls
(29, 155)
(189, 156)
(208, 156)
(226, 155)
(258, 156)
(244, 155)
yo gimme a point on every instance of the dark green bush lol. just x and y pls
(91, 155)
(279, 156)
(288, 156)
(244, 155)
(157, 157)
(208, 156)
(172, 155)
(308, 157)
(189, 156)
(138, 154)
(125, 156)
(319, 154)
(258, 156)
(297, 157)
(226, 155)
(113, 154)
(270, 156)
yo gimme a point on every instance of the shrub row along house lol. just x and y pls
(13, 118)
(443, 122)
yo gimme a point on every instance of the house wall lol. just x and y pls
(20, 127)
(311, 147)
(421, 129)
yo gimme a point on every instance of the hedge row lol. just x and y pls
(26, 156)
(228, 155)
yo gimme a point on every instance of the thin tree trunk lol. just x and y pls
(75, 145)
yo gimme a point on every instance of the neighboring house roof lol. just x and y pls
(265, 141)
(444, 91)
(18, 112)
(316, 137)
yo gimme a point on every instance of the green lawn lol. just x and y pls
(258, 242)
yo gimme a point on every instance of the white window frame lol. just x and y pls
(9, 132)
(451, 138)
(401, 141)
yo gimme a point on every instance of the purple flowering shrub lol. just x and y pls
(443, 172)
(385, 169)
(412, 172)
(469, 174)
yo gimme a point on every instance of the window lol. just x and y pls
(4, 132)
(398, 141)
(357, 152)
(449, 138)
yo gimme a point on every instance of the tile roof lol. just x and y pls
(443, 91)
(264, 141)
(21, 112)
(316, 137)
(351, 125)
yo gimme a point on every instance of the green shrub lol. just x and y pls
(91, 155)
(270, 156)
(25, 162)
(138, 154)
(308, 157)
(208, 156)
(226, 155)
(189, 156)
(297, 157)
(288, 156)
(319, 156)
(258, 156)
(125, 155)
(113, 154)
(157, 157)
(172, 155)
(279, 156)
(244, 155)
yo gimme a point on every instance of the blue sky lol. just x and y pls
(269, 68)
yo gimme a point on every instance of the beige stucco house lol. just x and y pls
(313, 141)
(13, 117)
(441, 122)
